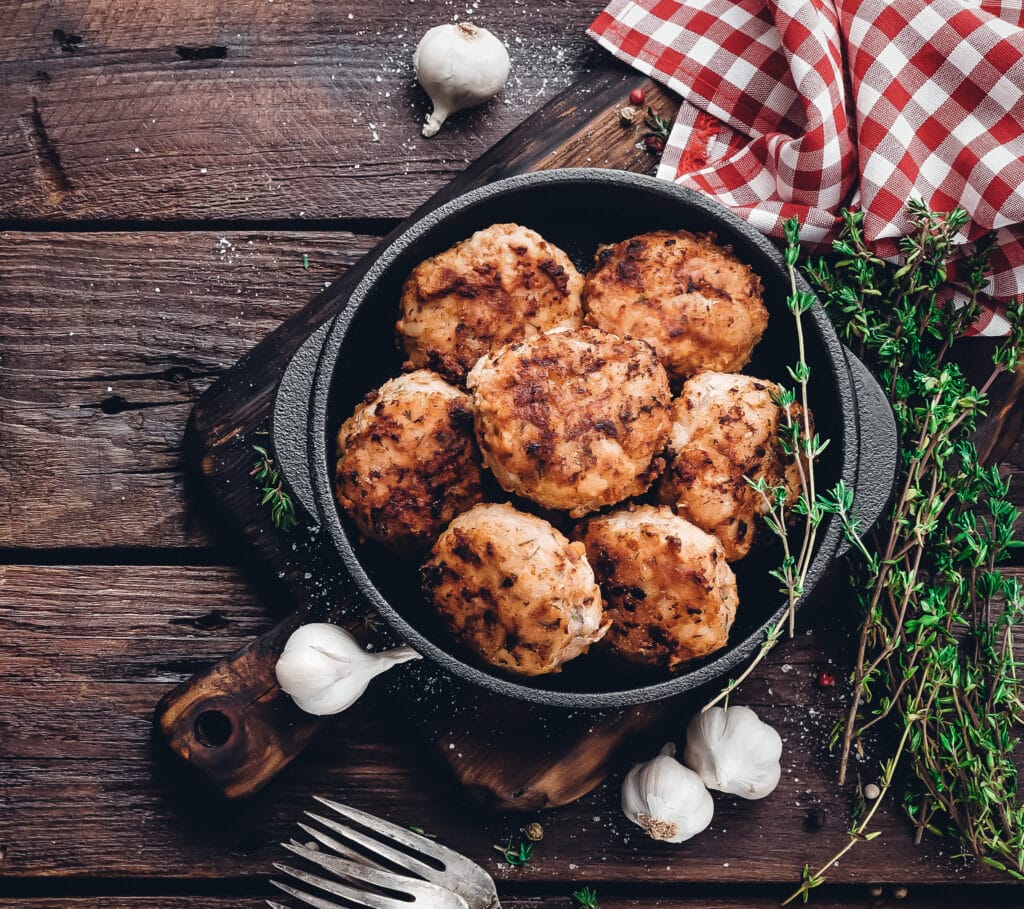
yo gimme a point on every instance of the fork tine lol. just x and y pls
(274, 905)
(352, 871)
(402, 859)
(393, 831)
(334, 845)
(307, 898)
(359, 897)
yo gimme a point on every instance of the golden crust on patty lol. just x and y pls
(668, 590)
(408, 461)
(725, 429)
(504, 283)
(515, 590)
(572, 420)
(690, 297)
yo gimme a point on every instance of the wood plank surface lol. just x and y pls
(90, 796)
(296, 109)
(107, 341)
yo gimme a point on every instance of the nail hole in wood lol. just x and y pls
(113, 404)
(213, 728)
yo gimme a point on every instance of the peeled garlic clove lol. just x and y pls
(460, 66)
(667, 800)
(734, 752)
(326, 670)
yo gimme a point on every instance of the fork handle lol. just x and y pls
(233, 726)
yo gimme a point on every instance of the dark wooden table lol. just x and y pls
(166, 170)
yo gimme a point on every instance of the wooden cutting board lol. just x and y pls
(232, 724)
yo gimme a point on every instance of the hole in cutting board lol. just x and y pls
(213, 728)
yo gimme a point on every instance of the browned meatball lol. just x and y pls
(572, 420)
(697, 304)
(503, 283)
(668, 590)
(515, 590)
(725, 429)
(408, 461)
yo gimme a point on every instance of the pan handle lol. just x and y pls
(877, 450)
(289, 421)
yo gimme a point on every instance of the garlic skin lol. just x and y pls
(666, 799)
(326, 670)
(734, 752)
(460, 65)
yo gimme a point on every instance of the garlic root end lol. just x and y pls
(433, 124)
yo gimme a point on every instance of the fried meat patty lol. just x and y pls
(572, 420)
(725, 428)
(668, 590)
(408, 462)
(514, 590)
(503, 283)
(690, 297)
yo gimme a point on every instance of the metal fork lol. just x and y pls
(433, 876)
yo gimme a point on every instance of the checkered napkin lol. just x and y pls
(801, 107)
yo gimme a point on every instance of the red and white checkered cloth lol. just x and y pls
(801, 107)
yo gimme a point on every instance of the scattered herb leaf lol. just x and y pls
(517, 856)
(658, 126)
(282, 509)
(586, 898)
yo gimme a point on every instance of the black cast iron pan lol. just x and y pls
(576, 209)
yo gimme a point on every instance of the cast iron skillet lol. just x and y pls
(576, 209)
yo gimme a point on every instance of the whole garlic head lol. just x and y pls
(460, 65)
(326, 670)
(666, 799)
(734, 752)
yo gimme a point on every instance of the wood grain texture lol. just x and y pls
(108, 340)
(94, 797)
(250, 109)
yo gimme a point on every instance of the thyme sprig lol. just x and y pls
(935, 665)
(798, 441)
(282, 508)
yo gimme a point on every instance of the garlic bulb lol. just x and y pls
(326, 670)
(666, 799)
(733, 751)
(460, 65)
